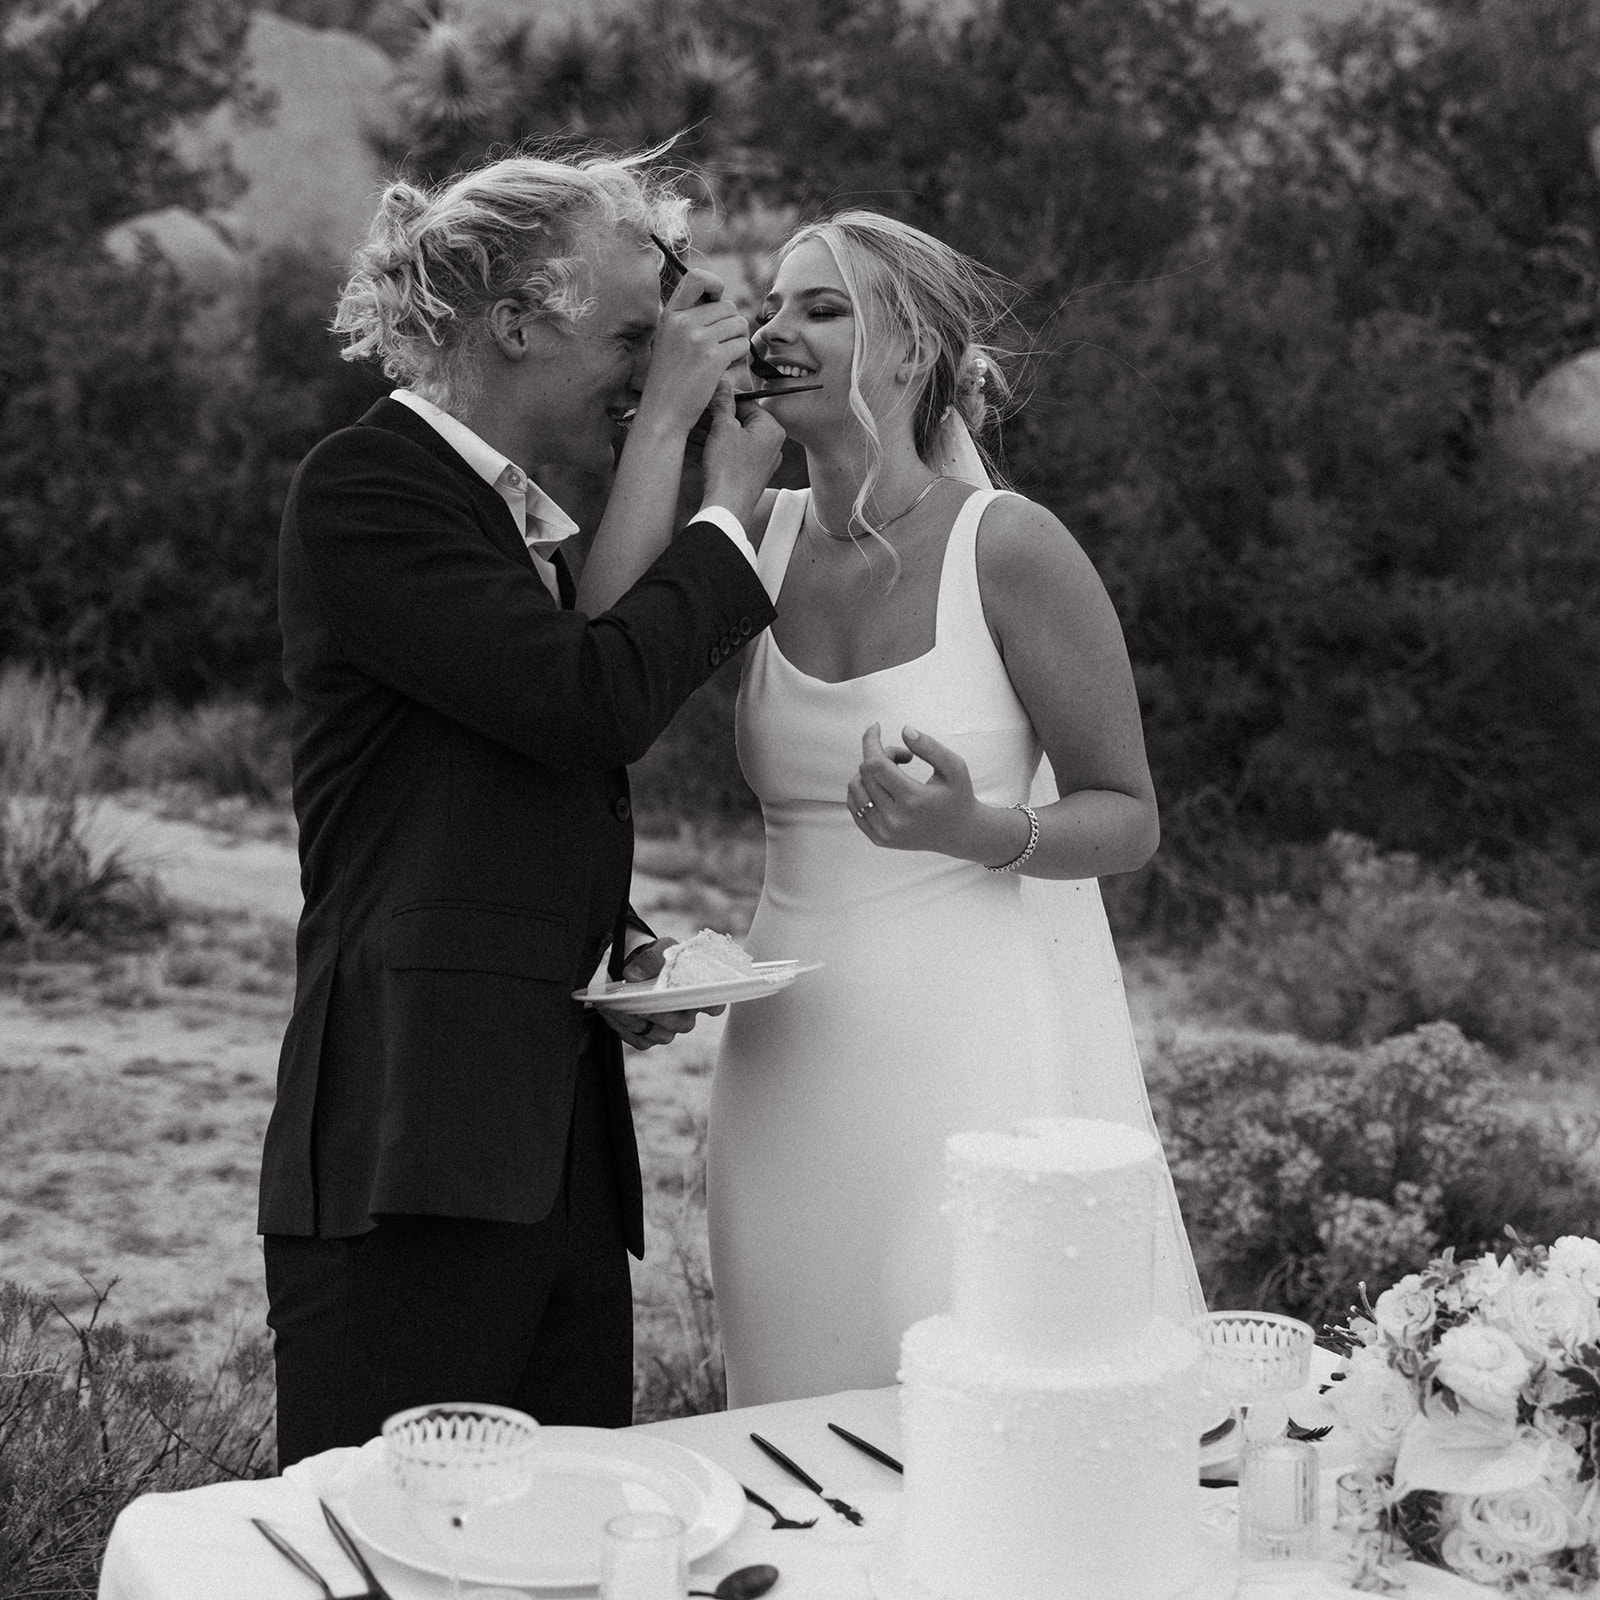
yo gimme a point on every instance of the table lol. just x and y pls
(199, 1545)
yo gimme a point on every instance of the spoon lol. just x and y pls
(745, 1583)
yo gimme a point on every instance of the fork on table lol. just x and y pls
(373, 1591)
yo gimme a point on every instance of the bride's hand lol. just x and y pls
(896, 811)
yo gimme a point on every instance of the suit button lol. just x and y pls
(725, 645)
(746, 627)
(715, 656)
(623, 808)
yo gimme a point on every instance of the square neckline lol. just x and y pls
(894, 666)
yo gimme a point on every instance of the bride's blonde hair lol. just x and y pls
(913, 292)
(436, 259)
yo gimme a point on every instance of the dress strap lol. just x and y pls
(960, 601)
(777, 543)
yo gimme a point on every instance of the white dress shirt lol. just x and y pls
(545, 526)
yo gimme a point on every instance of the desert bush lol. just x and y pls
(90, 1418)
(226, 746)
(1386, 944)
(51, 883)
(678, 1369)
(1305, 1169)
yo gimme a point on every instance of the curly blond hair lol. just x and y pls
(436, 259)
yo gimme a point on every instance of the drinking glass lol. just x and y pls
(1257, 1359)
(451, 1461)
(643, 1558)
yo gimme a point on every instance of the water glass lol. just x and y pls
(1278, 1501)
(644, 1558)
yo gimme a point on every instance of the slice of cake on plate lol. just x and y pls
(709, 957)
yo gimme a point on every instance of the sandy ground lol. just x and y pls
(135, 1088)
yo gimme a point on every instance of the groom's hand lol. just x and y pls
(642, 1031)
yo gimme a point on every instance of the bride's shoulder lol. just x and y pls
(1023, 545)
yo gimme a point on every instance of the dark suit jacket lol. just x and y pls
(465, 836)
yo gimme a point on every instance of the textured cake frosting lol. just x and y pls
(709, 957)
(1050, 1421)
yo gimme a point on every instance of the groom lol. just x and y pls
(450, 1185)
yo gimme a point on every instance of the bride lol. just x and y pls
(934, 638)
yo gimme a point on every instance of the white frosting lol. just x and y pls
(709, 957)
(1054, 1249)
(1050, 1423)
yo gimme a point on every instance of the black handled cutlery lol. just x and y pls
(866, 1449)
(800, 1475)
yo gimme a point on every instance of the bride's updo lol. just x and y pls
(913, 292)
(435, 260)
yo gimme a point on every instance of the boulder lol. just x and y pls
(1560, 417)
(312, 178)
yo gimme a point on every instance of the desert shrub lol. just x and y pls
(678, 1368)
(51, 882)
(91, 1418)
(1386, 944)
(227, 746)
(1305, 1169)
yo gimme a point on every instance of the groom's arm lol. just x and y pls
(419, 598)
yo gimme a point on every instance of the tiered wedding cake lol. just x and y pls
(1050, 1421)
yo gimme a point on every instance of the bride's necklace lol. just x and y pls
(866, 533)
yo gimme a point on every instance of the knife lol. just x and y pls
(843, 1507)
(867, 1449)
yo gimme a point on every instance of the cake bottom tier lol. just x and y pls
(1050, 1483)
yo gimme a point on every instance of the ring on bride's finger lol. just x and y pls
(868, 805)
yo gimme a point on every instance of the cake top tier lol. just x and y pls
(1048, 1145)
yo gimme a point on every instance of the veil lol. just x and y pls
(1099, 1074)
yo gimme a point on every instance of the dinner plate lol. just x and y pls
(549, 1537)
(770, 977)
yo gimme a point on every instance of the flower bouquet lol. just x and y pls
(1472, 1392)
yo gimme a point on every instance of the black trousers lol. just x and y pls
(428, 1309)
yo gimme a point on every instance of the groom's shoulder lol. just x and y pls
(387, 438)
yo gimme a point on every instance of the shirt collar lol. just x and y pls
(544, 525)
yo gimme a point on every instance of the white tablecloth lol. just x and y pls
(200, 1545)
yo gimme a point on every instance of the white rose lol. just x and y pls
(1484, 1278)
(1547, 1314)
(1577, 1258)
(1484, 1367)
(1478, 1561)
(1531, 1521)
(1375, 1403)
(1588, 1514)
(1406, 1311)
(1563, 1463)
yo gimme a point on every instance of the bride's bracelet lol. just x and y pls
(1016, 862)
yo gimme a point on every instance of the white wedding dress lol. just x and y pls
(950, 998)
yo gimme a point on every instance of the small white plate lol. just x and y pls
(549, 1537)
(770, 977)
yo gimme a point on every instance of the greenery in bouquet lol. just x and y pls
(1471, 1390)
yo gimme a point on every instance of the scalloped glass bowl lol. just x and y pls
(1255, 1359)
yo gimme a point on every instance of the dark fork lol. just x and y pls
(796, 1471)
(375, 1590)
(778, 1518)
(1311, 1435)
